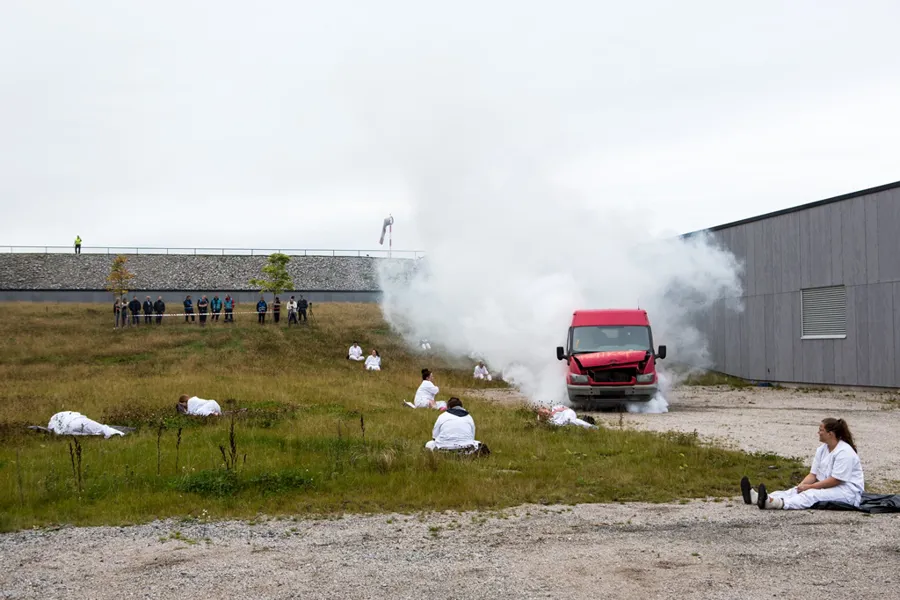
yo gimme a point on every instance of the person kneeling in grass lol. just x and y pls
(562, 415)
(836, 475)
(197, 406)
(454, 429)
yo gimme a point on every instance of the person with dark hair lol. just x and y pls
(135, 307)
(276, 309)
(373, 362)
(302, 305)
(188, 308)
(454, 429)
(203, 309)
(148, 311)
(426, 393)
(216, 308)
(836, 474)
(261, 308)
(355, 352)
(159, 307)
(229, 309)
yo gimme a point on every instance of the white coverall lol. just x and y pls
(453, 429)
(70, 422)
(481, 373)
(373, 363)
(563, 415)
(425, 396)
(355, 353)
(203, 408)
(843, 464)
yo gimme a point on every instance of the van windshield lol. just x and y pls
(604, 338)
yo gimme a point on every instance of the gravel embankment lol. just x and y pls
(182, 272)
(701, 549)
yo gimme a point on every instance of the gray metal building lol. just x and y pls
(821, 287)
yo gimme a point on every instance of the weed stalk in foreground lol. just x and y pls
(75, 456)
(177, 446)
(231, 457)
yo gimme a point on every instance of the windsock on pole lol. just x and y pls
(388, 222)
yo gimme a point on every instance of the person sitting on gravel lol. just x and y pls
(454, 429)
(197, 406)
(355, 352)
(562, 415)
(481, 372)
(836, 475)
(426, 393)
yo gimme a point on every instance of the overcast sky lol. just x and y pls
(285, 124)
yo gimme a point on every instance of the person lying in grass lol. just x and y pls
(562, 415)
(197, 406)
(69, 422)
(836, 474)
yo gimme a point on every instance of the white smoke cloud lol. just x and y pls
(511, 253)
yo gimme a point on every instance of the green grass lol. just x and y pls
(713, 378)
(320, 436)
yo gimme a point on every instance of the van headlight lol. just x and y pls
(578, 378)
(645, 378)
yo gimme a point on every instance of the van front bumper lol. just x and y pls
(609, 396)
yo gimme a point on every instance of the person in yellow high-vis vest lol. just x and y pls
(77, 244)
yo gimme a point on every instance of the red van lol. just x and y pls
(611, 358)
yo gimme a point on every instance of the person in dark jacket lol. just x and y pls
(229, 309)
(261, 308)
(148, 311)
(117, 309)
(203, 308)
(216, 306)
(302, 305)
(159, 307)
(276, 309)
(135, 307)
(188, 308)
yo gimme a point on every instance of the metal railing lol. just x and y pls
(211, 251)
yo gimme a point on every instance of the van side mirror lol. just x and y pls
(560, 353)
(662, 353)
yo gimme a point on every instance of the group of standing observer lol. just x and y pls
(206, 309)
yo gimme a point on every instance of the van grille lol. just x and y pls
(613, 375)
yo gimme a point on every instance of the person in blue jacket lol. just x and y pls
(261, 308)
(229, 309)
(188, 308)
(216, 307)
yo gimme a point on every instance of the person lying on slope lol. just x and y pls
(197, 406)
(69, 422)
(481, 372)
(373, 361)
(562, 415)
(355, 352)
(454, 429)
(426, 393)
(836, 474)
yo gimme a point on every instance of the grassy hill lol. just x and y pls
(320, 435)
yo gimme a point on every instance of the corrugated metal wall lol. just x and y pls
(853, 242)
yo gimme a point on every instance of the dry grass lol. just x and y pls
(320, 435)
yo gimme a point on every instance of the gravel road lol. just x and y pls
(701, 549)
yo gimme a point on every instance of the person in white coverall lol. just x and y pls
(481, 372)
(373, 361)
(454, 429)
(836, 475)
(198, 406)
(562, 415)
(69, 422)
(426, 393)
(355, 352)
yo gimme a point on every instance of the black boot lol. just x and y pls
(745, 490)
